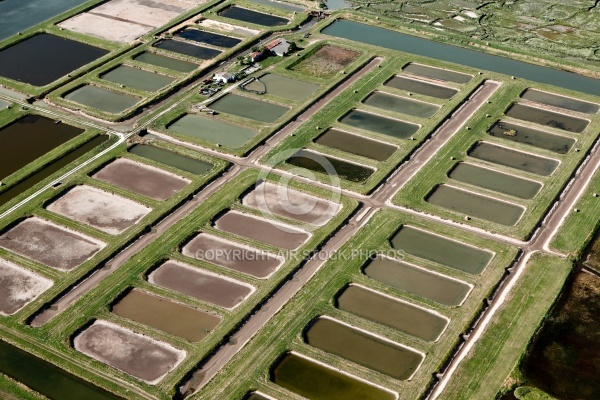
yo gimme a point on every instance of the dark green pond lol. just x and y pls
(29, 138)
(165, 62)
(208, 38)
(514, 159)
(420, 87)
(379, 124)
(137, 78)
(46, 378)
(356, 144)
(401, 105)
(441, 250)
(171, 158)
(254, 17)
(212, 130)
(192, 50)
(548, 118)
(317, 382)
(250, 108)
(411, 44)
(316, 162)
(555, 100)
(437, 73)
(533, 137)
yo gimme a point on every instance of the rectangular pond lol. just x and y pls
(391, 312)
(19, 287)
(379, 124)
(212, 130)
(437, 73)
(533, 137)
(46, 378)
(165, 315)
(417, 281)
(171, 158)
(394, 40)
(441, 250)
(137, 78)
(475, 205)
(555, 100)
(513, 158)
(363, 348)
(187, 49)
(58, 56)
(254, 17)
(280, 4)
(29, 138)
(548, 118)
(281, 86)
(210, 38)
(318, 162)
(250, 108)
(165, 62)
(316, 381)
(102, 99)
(402, 105)
(420, 87)
(356, 144)
(495, 180)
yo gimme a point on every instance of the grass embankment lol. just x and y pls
(249, 370)
(490, 365)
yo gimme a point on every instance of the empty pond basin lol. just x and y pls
(437, 73)
(533, 137)
(108, 212)
(102, 99)
(418, 281)
(379, 124)
(441, 250)
(548, 118)
(391, 312)
(29, 138)
(475, 205)
(165, 62)
(43, 58)
(282, 86)
(420, 87)
(271, 232)
(19, 287)
(247, 107)
(140, 178)
(165, 315)
(187, 49)
(496, 181)
(254, 17)
(231, 255)
(281, 200)
(213, 39)
(138, 78)
(212, 130)
(555, 100)
(356, 144)
(399, 104)
(135, 354)
(315, 381)
(318, 162)
(363, 348)
(201, 285)
(514, 159)
(171, 159)
(50, 244)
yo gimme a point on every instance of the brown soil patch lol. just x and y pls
(200, 285)
(281, 200)
(19, 287)
(326, 62)
(237, 257)
(105, 211)
(256, 228)
(140, 178)
(50, 244)
(138, 355)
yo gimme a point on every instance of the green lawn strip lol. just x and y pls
(579, 227)
(95, 304)
(284, 331)
(486, 370)
(435, 172)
